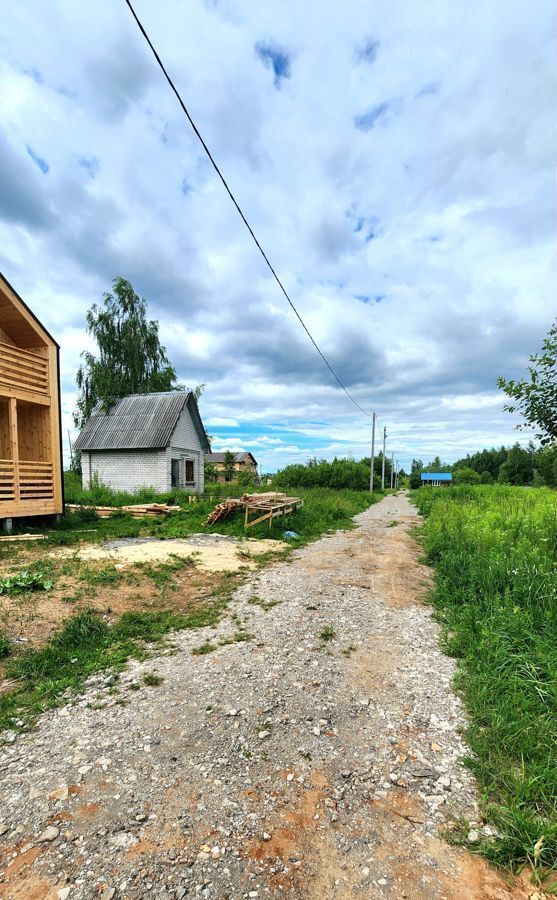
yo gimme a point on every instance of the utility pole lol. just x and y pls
(372, 455)
(392, 471)
(383, 460)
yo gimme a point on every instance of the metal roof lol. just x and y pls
(219, 457)
(437, 476)
(139, 422)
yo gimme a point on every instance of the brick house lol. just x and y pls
(145, 440)
(243, 462)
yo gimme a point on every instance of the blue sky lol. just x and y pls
(396, 162)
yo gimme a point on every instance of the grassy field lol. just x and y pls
(71, 619)
(495, 555)
(325, 509)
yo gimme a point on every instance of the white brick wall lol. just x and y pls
(126, 470)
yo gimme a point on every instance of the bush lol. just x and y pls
(465, 475)
(337, 474)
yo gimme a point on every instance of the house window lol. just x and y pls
(175, 473)
(188, 471)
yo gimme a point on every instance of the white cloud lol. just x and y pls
(419, 251)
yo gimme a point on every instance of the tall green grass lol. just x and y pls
(325, 510)
(495, 555)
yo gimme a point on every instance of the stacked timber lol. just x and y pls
(137, 510)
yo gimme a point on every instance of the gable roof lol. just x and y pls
(16, 312)
(437, 476)
(219, 457)
(139, 422)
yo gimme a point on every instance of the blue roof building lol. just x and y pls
(436, 479)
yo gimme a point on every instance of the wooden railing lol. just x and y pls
(28, 480)
(23, 369)
(7, 480)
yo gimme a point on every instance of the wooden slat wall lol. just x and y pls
(23, 369)
(4, 430)
(34, 432)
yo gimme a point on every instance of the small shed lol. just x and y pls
(30, 447)
(145, 440)
(436, 479)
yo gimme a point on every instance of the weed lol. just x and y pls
(25, 581)
(348, 651)
(152, 680)
(264, 604)
(207, 647)
(100, 576)
(5, 646)
(393, 524)
(328, 633)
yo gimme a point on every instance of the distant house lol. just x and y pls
(436, 479)
(145, 440)
(243, 462)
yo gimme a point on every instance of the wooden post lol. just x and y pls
(14, 444)
(55, 455)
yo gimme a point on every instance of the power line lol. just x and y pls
(239, 210)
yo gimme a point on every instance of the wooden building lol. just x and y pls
(243, 462)
(30, 446)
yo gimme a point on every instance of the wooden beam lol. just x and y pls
(10, 390)
(55, 446)
(14, 444)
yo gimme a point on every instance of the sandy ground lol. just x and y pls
(318, 761)
(212, 553)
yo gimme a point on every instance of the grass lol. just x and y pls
(494, 549)
(87, 644)
(325, 510)
(328, 633)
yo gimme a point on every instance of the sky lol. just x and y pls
(395, 159)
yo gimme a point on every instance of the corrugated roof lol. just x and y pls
(437, 476)
(137, 422)
(219, 457)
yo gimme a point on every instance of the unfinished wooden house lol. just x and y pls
(30, 448)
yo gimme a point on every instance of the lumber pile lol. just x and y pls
(267, 506)
(223, 510)
(137, 510)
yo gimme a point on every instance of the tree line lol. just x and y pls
(517, 465)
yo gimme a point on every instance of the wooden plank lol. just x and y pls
(24, 537)
(54, 431)
(10, 509)
(30, 354)
(14, 362)
(10, 390)
(14, 445)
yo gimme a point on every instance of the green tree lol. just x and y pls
(486, 477)
(518, 468)
(228, 466)
(130, 357)
(416, 470)
(535, 397)
(210, 472)
(465, 475)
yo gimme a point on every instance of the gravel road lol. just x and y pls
(320, 759)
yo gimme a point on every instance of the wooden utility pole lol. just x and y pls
(392, 470)
(372, 455)
(383, 460)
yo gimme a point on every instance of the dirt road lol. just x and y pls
(320, 759)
